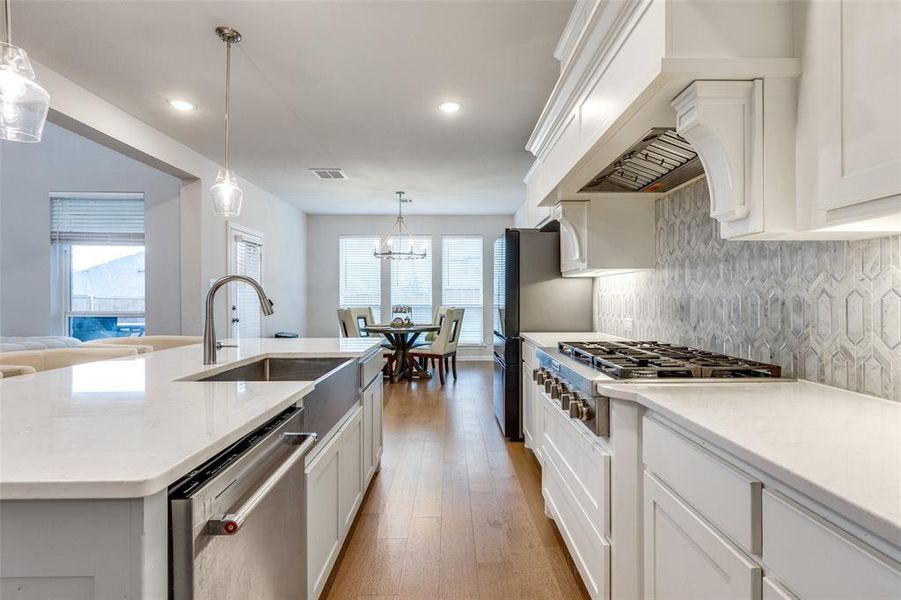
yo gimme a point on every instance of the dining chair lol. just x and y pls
(351, 321)
(444, 347)
(155, 342)
(353, 318)
(437, 317)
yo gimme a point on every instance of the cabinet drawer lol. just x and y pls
(726, 496)
(815, 559)
(589, 550)
(583, 466)
(529, 358)
(371, 368)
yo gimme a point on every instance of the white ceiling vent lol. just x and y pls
(329, 173)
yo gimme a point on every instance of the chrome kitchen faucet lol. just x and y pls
(210, 346)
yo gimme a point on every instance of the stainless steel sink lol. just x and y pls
(279, 369)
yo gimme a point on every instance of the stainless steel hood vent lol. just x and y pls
(659, 162)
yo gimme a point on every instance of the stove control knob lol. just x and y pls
(548, 383)
(579, 409)
(537, 375)
(566, 398)
(556, 388)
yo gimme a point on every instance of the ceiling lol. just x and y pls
(353, 85)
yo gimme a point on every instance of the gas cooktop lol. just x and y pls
(657, 360)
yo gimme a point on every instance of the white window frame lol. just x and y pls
(481, 239)
(64, 268)
(233, 231)
(384, 278)
(64, 258)
(431, 258)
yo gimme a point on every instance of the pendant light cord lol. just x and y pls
(9, 21)
(228, 75)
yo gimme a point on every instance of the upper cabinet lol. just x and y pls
(791, 108)
(605, 236)
(849, 114)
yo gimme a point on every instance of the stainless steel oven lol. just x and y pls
(238, 523)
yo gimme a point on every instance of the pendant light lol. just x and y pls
(23, 103)
(386, 248)
(227, 195)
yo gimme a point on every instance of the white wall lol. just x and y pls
(67, 162)
(323, 232)
(202, 239)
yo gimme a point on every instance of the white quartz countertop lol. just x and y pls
(127, 428)
(544, 339)
(840, 448)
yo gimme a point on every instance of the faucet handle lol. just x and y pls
(220, 345)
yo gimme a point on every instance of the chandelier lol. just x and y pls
(398, 244)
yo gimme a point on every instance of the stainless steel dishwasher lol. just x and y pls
(238, 522)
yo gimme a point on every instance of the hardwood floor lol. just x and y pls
(456, 511)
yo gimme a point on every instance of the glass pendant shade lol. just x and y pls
(23, 103)
(227, 195)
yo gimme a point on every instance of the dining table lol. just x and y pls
(402, 338)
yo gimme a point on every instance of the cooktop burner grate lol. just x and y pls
(655, 360)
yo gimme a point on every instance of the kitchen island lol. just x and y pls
(87, 454)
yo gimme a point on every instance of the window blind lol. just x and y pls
(411, 280)
(360, 273)
(461, 275)
(97, 221)
(500, 262)
(249, 262)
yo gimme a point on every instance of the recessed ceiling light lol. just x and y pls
(182, 105)
(449, 107)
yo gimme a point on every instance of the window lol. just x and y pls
(411, 280)
(360, 273)
(246, 256)
(100, 241)
(500, 262)
(461, 273)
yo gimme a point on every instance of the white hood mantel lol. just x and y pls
(620, 76)
(727, 76)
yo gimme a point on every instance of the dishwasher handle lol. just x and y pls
(231, 523)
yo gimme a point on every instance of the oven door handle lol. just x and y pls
(231, 523)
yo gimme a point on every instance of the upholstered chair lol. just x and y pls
(155, 342)
(443, 348)
(57, 358)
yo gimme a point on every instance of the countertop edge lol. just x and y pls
(866, 519)
(142, 488)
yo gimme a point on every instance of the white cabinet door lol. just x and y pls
(350, 470)
(323, 522)
(774, 591)
(815, 559)
(372, 430)
(377, 424)
(684, 557)
(528, 406)
(857, 68)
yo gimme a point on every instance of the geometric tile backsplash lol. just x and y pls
(825, 311)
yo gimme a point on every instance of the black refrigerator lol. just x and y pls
(530, 295)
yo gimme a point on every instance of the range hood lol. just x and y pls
(659, 162)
